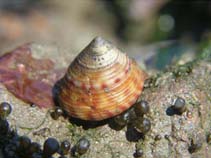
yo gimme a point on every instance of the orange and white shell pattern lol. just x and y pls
(100, 83)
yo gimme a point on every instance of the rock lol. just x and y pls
(180, 135)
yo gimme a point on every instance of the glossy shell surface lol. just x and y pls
(100, 83)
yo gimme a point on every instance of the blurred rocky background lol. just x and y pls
(155, 32)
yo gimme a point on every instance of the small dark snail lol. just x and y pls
(179, 105)
(125, 118)
(65, 147)
(51, 146)
(5, 110)
(100, 83)
(82, 146)
(142, 125)
(141, 108)
(56, 113)
(24, 143)
(122, 119)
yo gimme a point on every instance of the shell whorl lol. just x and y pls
(100, 83)
(99, 53)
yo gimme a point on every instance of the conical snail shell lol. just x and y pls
(100, 83)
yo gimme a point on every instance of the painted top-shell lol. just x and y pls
(100, 83)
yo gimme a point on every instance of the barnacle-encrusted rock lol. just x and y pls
(171, 135)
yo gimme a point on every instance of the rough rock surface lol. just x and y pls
(178, 134)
